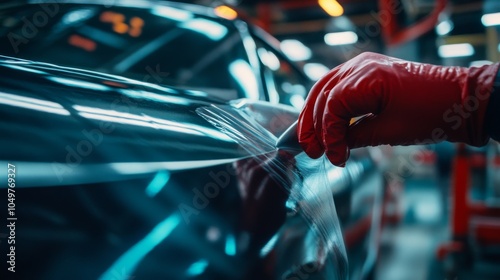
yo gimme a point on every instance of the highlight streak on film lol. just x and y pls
(308, 186)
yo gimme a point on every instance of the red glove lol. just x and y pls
(402, 103)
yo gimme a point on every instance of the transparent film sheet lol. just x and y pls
(306, 180)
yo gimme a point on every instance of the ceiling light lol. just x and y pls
(297, 101)
(211, 29)
(295, 50)
(444, 27)
(491, 19)
(171, 13)
(341, 38)
(243, 74)
(269, 59)
(331, 7)
(456, 50)
(479, 63)
(315, 70)
(225, 12)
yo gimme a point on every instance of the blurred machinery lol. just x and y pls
(474, 246)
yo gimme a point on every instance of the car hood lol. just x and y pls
(64, 126)
(69, 117)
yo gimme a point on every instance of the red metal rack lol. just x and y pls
(474, 224)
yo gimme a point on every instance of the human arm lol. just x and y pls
(399, 102)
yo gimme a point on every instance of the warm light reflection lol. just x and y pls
(81, 42)
(331, 7)
(127, 262)
(119, 25)
(136, 25)
(109, 16)
(225, 12)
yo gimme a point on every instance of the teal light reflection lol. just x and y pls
(197, 268)
(126, 263)
(230, 245)
(158, 183)
(243, 74)
(211, 29)
(269, 246)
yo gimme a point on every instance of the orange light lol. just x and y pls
(136, 22)
(107, 17)
(225, 12)
(80, 42)
(135, 32)
(111, 17)
(331, 7)
(120, 27)
(136, 26)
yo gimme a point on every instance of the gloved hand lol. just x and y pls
(401, 103)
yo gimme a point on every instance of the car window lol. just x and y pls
(283, 82)
(160, 44)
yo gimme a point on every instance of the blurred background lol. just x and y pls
(323, 34)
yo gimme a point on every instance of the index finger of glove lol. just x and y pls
(308, 138)
(347, 100)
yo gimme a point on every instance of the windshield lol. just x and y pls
(157, 44)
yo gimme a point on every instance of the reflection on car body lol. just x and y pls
(114, 162)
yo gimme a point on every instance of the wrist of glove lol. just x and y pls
(398, 102)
